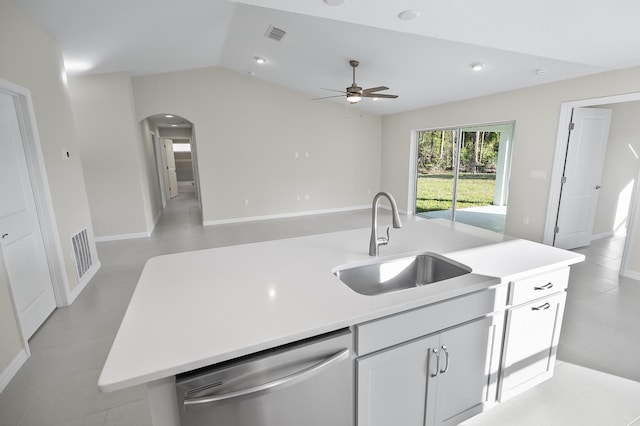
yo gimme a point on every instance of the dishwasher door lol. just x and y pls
(305, 383)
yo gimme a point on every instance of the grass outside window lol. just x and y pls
(434, 191)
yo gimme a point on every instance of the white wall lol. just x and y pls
(113, 155)
(535, 111)
(620, 168)
(33, 60)
(248, 134)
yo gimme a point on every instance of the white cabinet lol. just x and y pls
(441, 379)
(532, 331)
(392, 384)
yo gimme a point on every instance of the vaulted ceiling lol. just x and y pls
(426, 61)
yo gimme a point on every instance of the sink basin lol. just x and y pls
(391, 275)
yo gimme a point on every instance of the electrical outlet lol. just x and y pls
(297, 155)
(246, 201)
(298, 197)
(525, 220)
(307, 197)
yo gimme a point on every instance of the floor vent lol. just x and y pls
(82, 252)
(275, 33)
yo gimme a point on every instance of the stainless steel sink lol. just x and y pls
(392, 275)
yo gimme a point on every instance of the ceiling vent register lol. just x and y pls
(275, 33)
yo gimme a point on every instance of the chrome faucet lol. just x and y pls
(376, 242)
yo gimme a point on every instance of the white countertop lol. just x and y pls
(194, 309)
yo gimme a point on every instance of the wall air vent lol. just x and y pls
(275, 33)
(81, 252)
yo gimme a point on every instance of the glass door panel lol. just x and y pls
(437, 160)
(463, 174)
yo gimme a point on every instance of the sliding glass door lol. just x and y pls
(463, 173)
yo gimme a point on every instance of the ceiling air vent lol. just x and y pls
(275, 33)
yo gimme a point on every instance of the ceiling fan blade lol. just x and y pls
(333, 90)
(375, 89)
(327, 97)
(379, 95)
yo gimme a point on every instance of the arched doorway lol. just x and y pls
(174, 146)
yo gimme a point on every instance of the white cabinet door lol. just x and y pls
(531, 340)
(466, 378)
(443, 379)
(392, 384)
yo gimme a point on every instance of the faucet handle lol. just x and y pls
(383, 241)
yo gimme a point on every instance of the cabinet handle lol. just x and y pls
(446, 359)
(435, 352)
(547, 286)
(541, 307)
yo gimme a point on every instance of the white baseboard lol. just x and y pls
(12, 369)
(85, 280)
(634, 275)
(281, 215)
(123, 236)
(602, 235)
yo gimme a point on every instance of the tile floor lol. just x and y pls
(487, 217)
(597, 380)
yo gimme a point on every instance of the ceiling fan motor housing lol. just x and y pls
(354, 90)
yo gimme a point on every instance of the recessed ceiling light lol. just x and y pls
(542, 71)
(333, 2)
(174, 125)
(476, 66)
(251, 73)
(259, 59)
(169, 116)
(408, 15)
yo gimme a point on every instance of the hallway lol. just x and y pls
(57, 385)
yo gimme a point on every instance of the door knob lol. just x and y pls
(598, 187)
(4, 236)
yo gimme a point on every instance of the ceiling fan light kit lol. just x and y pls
(355, 93)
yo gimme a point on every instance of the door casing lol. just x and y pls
(562, 140)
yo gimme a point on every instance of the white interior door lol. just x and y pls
(21, 238)
(582, 176)
(171, 169)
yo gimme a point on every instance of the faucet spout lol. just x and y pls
(376, 242)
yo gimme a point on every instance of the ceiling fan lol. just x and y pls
(355, 93)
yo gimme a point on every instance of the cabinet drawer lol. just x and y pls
(405, 326)
(523, 291)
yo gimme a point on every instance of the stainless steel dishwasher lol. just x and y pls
(304, 383)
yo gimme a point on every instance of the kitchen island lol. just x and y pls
(195, 309)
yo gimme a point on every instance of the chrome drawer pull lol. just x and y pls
(437, 354)
(544, 287)
(541, 307)
(446, 359)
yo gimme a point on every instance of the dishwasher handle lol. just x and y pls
(269, 386)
